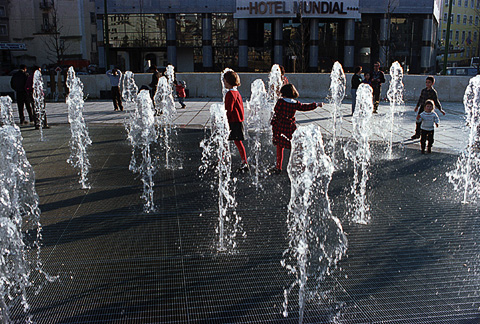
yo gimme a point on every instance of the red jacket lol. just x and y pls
(283, 121)
(180, 90)
(234, 106)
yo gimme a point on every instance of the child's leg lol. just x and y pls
(423, 139)
(430, 140)
(279, 157)
(241, 150)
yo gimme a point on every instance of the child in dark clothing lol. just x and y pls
(235, 115)
(283, 121)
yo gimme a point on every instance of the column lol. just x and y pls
(349, 49)
(101, 43)
(207, 52)
(383, 50)
(172, 39)
(278, 41)
(427, 45)
(243, 44)
(313, 66)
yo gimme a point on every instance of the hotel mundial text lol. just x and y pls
(314, 9)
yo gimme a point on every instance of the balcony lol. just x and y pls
(46, 4)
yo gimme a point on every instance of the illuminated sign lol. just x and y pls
(347, 9)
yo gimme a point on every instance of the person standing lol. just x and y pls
(180, 89)
(377, 79)
(428, 93)
(155, 76)
(18, 82)
(115, 75)
(427, 119)
(356, 81)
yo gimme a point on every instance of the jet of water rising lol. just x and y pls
(358, 151)
(6, 111)
(395, 96)
(337, 93)
(39, 100)
(80, 139)
(466, 175)
(316, 238)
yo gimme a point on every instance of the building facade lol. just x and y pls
(464, 31)
(52, 32)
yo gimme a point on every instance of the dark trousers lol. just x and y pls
(376, 97)
(117, 98)
(22, 101)
(424, 137)
(417, 126)
(31, 101)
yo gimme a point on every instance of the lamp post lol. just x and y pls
(447, 39)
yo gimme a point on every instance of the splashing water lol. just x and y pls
(142, 134)
(257, 117)
(222, 79)
(337, 93)
(358, 151)
(316, 238)
(395, 96)
(275, 83)
(19, 212)
(466, 176)
(216, 156)
(39, 100)
(165, 103)
(80, 138)
(6, 111)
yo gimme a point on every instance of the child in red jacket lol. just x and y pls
(283, 121)
(235, 115)
(180, 88)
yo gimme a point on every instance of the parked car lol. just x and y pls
(462, 70)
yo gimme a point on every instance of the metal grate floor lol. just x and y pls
(417, 262)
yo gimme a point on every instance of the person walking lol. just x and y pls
(115, 75)
(427, 119)
(29, 89)
(18, 82)
(181, 94)
(356, 81)
(378, 77)
(428, 93)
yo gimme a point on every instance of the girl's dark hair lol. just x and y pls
(357, 69)
(232, 78)
(289, 91)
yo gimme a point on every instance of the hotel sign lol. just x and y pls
(347, 9)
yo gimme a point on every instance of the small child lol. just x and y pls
(180, 88)
(428, 119)
(427, 93)
(283, 122)
(235, 115)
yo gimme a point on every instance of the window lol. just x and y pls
(470, 20)
(2, 11)
(3, 30)
(464, 19)
(444, 34)
(446, 3)
(456, 36)
(463, 37)
(445, 17)
(474, 36)
(137, 30)
(472, 4)
(466, 3)
(476, 20)
(459, 3)
(458, 19)
(93, 18)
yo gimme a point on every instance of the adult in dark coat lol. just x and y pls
(18, 82)
(378, 77)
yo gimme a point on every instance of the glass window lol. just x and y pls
(463, 37)
(3, 30)
(2, 11)
(456, 35)
(93, 18)
(458, 19)
(464, 19)
(444, 34)
(470, 20)
(224, 40)
(137, 30)
(475, 36)
(476, 20)
(459, 3)
(466, 3)
(189, 30)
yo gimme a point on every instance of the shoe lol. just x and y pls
(415, 136)
(375, 112)
(244, 168)
(25, 122)
(115, 109)
(423, 151)
(274, 170)
(429, 150)
(46, 126)
(184, 106)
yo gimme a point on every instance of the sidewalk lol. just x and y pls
(450, 136)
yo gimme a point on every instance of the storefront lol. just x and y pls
(303, 36)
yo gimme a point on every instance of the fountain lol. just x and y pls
(466, 175)
(358, 151)
(257, 117)
(20, 216)
(316, 238)
(216, 156)
(275, 83)
(142, 133)
(165, 103)
(39, 100)
(337, 93)
(395, 96)
(6, 111)
(80, 138)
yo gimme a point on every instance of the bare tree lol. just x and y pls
(54, 40)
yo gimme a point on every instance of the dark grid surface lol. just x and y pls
(417, 262)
